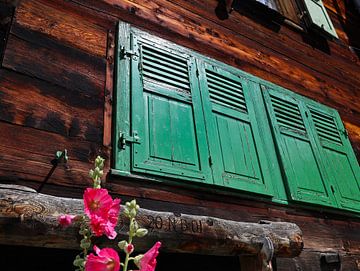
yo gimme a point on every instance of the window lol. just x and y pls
(310, 12)
(185, 117)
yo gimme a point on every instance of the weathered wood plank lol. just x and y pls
(26, 153)
(67, 27)
(354, 136)
(33, 103)
(292, 46)
(31, 214)
(109, 89)
(311, 260)
(321, 231)
(240, 51)
(55, 63)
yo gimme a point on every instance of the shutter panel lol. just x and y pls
(238, 159)
(302, 166)
(342, 165)
(318, 17)
(166, 116)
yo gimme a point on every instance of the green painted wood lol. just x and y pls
(317, 17)
(122, 157)
(341, 163)
(167, 113)
(303, 168)
(200, 120)
(237, 153)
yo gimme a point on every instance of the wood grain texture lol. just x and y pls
(55, 62)
(78, 68)
(109, 89)
(322, 231)
(67, 27)
(297, 61)
(30, 213)
(34, 103)
(26, 153)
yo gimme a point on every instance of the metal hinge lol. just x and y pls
(128, 53)
(123, 139)
(210, 161)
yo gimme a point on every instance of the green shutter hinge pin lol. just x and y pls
(127, 53)
(123, 139)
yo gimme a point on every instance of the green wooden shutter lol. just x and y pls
(318, 17)
(166, 114)
(300, 156)
(341, 163)
(237, 155)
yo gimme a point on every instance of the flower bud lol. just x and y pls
(127, 204)
(134, 226)
(126, 212)
(133, 203)
(132, 212)
(66, 220)
(99, 162)
(91, 173)
(122, 244)
(137, 260)
(98, 172)
(129, 248)
(78, 261)
(141, 232)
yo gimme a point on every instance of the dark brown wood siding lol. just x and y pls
(56, 91)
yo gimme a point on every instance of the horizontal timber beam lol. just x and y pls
(30, 218)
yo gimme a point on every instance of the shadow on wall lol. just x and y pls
(6, 13)
(350, 22)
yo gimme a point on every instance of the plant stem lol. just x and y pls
(129, 242)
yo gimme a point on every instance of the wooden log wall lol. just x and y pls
(56, 80)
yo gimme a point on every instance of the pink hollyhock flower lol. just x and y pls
(148, 261)
(114, 211)
(97, 201)
(97, 225)
(66, 220)
(102, 211)
(107, 259)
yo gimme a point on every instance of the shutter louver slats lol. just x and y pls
(288, 114)
(165, 68)
(225, 91)
(325, 126)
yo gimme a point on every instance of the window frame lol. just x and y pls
(307, 12)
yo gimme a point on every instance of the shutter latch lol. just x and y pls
(123, 139)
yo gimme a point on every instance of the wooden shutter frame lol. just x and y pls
(266, 188)
(307, 104)
(312, 22)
